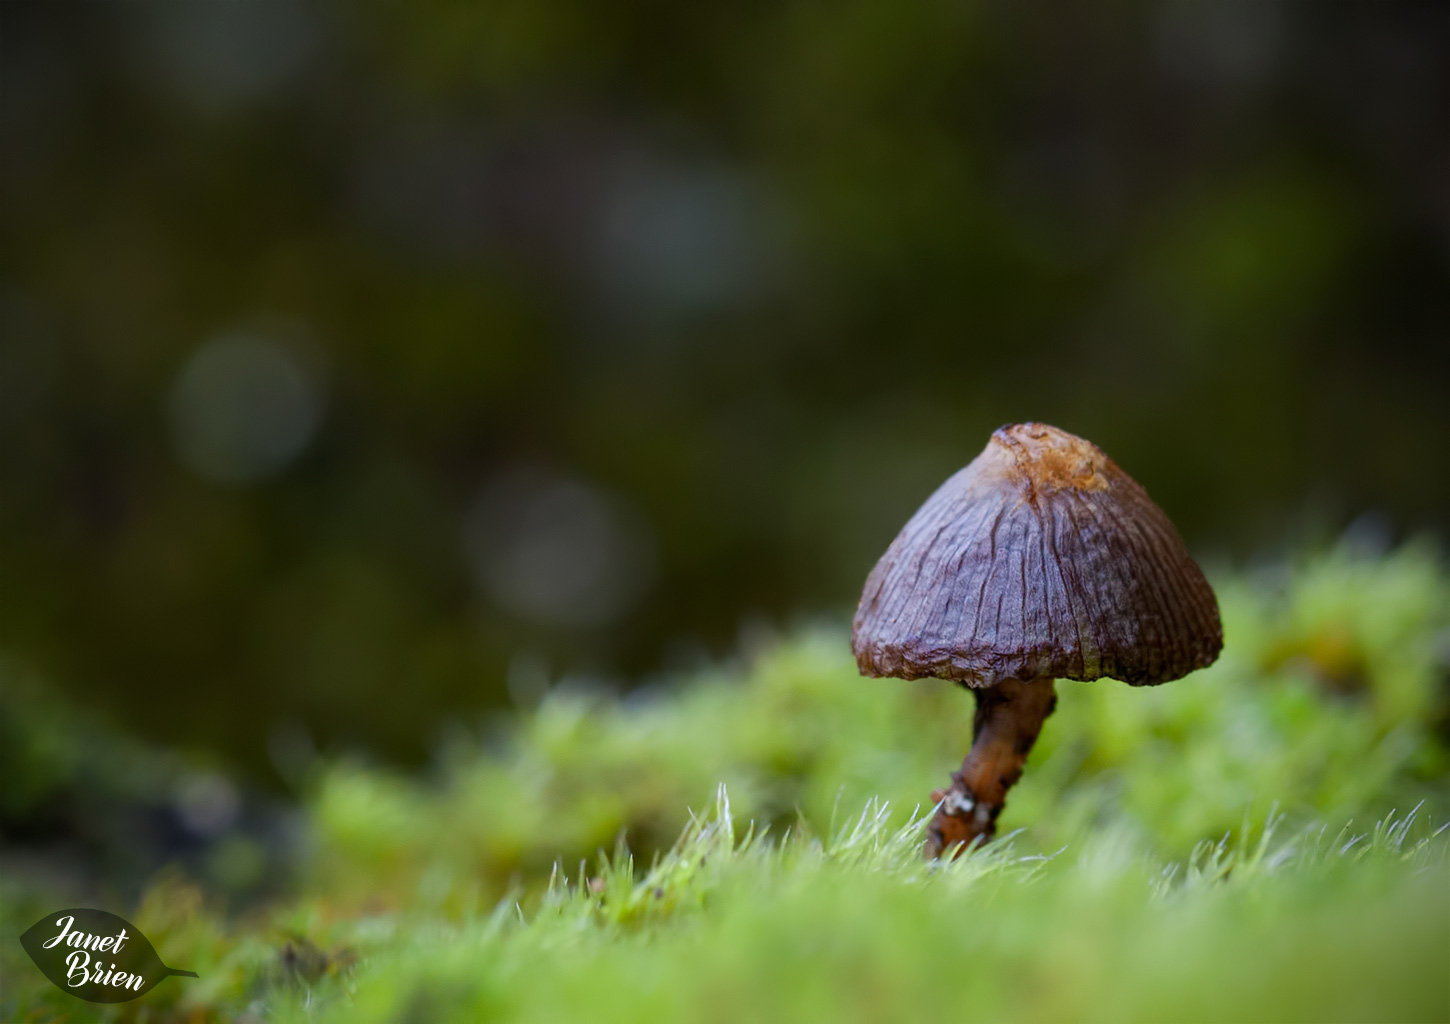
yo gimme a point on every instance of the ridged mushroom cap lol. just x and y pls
(1040, 559)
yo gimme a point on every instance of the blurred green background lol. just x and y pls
(369, 367)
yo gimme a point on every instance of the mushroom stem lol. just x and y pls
(1009, 717)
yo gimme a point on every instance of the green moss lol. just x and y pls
(1169, 859)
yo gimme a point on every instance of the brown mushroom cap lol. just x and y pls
(1040, 559)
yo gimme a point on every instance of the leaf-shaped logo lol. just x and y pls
(95, 955)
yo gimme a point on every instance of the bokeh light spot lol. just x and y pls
(558, 551)
(243, 408)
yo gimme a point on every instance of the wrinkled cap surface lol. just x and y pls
(1040, 559)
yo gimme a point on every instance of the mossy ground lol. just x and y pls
(1260, 841)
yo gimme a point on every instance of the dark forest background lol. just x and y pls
(365, 367)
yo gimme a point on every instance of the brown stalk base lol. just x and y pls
(1009, 717)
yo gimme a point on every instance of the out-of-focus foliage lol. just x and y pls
(466, 892)
(348, 354)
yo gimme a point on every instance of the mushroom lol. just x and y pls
(1041, 560)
